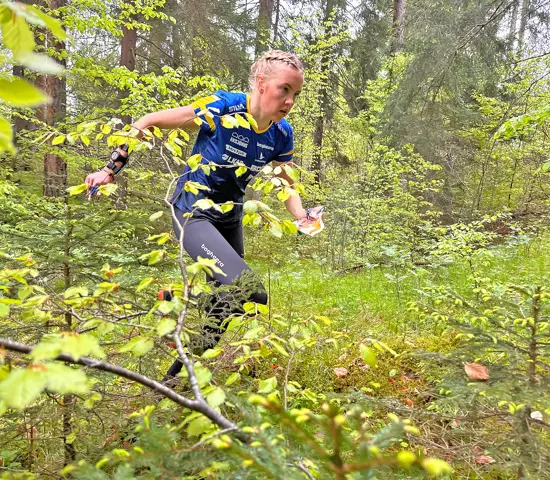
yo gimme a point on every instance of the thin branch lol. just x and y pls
(196, 405)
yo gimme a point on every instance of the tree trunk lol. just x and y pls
(523, 24)
(324, 110)
(128, 46)
(513, 25)
(55, 168)
(276, 24)
(128, 59)
(398, 26)
(263, 27)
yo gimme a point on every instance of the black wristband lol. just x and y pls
(116, 156)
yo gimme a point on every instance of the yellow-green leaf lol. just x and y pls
(241, 170)
(77, 189)
(20, 93)
(58, 140)
(6, 136)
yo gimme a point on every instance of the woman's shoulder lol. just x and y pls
(232, 98)
(284, 127)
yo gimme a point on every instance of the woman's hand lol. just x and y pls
(98, 178)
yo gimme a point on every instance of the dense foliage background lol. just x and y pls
(410, 339)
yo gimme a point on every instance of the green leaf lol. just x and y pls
(241, 170)
(165, 307)
(4, 310)
(144, 284)
(253, 333)
(69, 439)
(59, 140)
(24, 291)
(203, 374)
(291, 172)
(165, 326)
(203, 204)
(198, 426)
(17, 36)
(250, 207)
(48, 348)
(75, 292)
(6, 136)
(278, 347)
(80, 345)
(193, 161)
(368, 355)
(40, 63)
(235, 376)
(283, 195)
(276, 230)
(138, 346)
(156, 215)
(212, 353)
(19, 93)
(108, 189)
(267, 386)
(21, 387)
(64, 379)
(77, 189)
(216, 398)
(227, 207)
(37, 17)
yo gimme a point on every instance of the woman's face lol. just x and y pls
(279, 91)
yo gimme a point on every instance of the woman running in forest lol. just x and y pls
(275, 82)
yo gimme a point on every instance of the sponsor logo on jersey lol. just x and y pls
(232, 160)
(234, 108)
(283, 131)
(236, 151)
(239, 140)
(214, 109)
(210, 253)
(261, 156)
(256, 168)
(267, 147)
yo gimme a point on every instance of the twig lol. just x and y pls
(196, 405)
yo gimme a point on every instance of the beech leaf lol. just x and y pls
(476, 372)
(341, 372)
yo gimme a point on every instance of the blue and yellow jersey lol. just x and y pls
(229, 148)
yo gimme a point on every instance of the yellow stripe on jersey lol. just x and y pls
(202, 104)
(287, 153)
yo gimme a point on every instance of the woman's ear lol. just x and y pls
(260, 83)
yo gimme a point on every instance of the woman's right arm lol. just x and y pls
(180, 117)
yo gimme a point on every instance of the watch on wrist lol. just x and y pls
(116, 156)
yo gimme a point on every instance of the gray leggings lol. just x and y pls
(224, 244)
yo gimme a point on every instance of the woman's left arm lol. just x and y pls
(294, 202)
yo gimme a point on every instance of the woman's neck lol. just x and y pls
(256, 111)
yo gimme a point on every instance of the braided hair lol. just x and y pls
(267, 63)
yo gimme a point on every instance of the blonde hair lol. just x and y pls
(267, 63)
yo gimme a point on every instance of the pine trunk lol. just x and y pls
(398, 26)
(55, 168)
(263, 27)
(525, 5)
(128, 46)
(324, 110)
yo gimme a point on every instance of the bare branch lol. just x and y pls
(196, 405)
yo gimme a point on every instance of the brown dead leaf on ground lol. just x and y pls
(341, 372)
(484, 460)
(476, 372)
